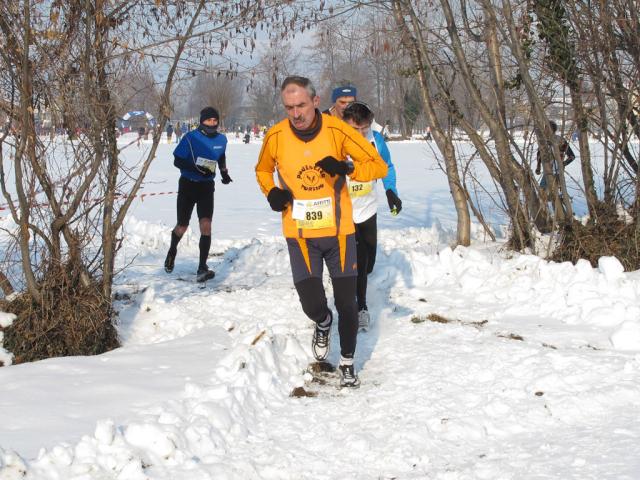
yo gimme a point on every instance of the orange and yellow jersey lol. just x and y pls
(321, 206)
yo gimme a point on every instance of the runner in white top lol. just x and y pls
(365, 204)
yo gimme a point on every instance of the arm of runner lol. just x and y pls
(389, 181)
(265, 167)
(367, 162)
(224, 172)
(568, 154)
(222, 159)
(184, 164)
(184, 159)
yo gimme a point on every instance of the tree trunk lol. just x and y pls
(542, 129)
(581, 121)
(5, 285)
(415, 43)
(26, 143)
(495, 119)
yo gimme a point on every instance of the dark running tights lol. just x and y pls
(314, 305)
(366, 241)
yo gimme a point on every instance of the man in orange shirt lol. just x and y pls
(308, 151)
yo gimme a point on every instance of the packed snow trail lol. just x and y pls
(456, 401)
(532, 373)
(496, 386)
(462, 400)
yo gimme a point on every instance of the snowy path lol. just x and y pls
(499, 391)
(534, 375)
(457, 400)
(441, 401)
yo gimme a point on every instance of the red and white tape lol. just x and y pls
(141, 196)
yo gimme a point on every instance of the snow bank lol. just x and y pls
(185, 436)
(605, 297)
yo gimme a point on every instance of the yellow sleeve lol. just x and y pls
(266, 165)
(367, 162)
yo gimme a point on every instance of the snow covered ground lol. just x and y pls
(480, 364)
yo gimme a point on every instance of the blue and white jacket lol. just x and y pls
(363, 194)
(197, 149)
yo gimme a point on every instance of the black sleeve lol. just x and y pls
(569, 155)
(184, 164)
(222, 161)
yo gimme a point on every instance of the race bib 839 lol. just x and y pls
(317, 213)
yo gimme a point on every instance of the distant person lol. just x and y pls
(575, 136)
(428, 137)
(386, 130)
(308, 152)
(365, 204)
(566, 155)
(169, 132)
(178, 132)
(141, 133)
(247, 137)
(198, 155)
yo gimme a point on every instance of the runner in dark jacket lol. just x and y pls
(199, 155)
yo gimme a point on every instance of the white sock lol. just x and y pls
(326, 322)
(346, 361)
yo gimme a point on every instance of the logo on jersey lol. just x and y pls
(311, 178)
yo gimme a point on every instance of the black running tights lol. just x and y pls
(314, 305)
(366, 242)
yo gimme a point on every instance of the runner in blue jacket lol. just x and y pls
(199, 155)
(365, 204)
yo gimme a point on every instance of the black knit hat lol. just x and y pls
(209, 112)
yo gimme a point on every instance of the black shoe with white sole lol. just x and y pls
(348, 377)
(321, 338)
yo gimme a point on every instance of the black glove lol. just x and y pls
(203, 171)
(184, 164)
(333, 166)
(278, 199)
(395, 204)
(226, 179)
